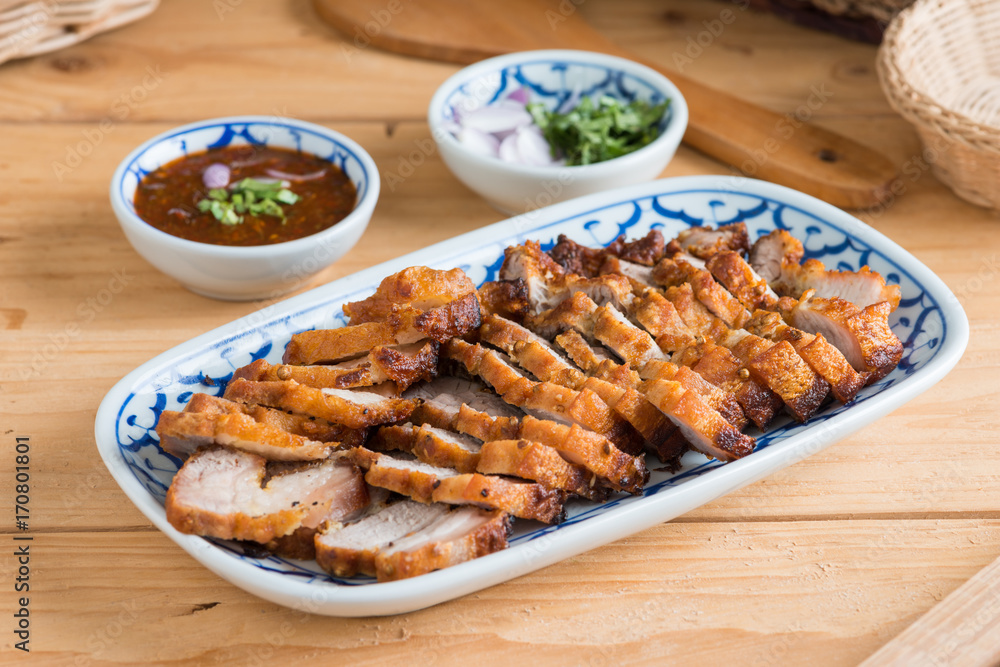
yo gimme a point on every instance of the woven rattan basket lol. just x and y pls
(940, 68)
(880, 10)
(40, 26)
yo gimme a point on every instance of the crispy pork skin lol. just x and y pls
(221, 492)
(325, 346)
(704, 242)
(181, 433)
(458, 536)
(430, 444)
(703, 427)
(347, 550)
(862, 335)
(417, 287)
(506, 298)
(303, 425)
(539, 463)
(355, 409)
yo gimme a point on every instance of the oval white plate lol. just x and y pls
(929, 321)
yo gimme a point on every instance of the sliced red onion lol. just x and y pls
(520, 96)
(179, 211)
(570, 102)
(216, 176)
(533, 148)
(498, 117)
(508, 149)
(285, 176)
(479, 142)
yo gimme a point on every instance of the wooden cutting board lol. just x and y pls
(748, 137)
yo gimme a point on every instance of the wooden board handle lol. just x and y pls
(784, 149)
(963, 630)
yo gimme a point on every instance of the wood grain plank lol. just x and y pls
(663, 595)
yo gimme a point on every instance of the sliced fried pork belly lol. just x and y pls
(532, 352)
(417, 287)
(431, 445)
(345, 551)
(713, 296)
(333, 345)
(723, 401)
(584, 261)
(591, 450)
(718, 364)
(828, 362)
(355, 409)
(777, 257)
(604, 290)
(542, 464)
(772, 253)
(428, 483)
(220, 492)
(506, 298)
(703, 242)
(583, 354)
(546, 399)
(576, 312)
(862, 288)
(542, 276)
(303, 425)
(628, 341)
(862, 335)
(703, 427)
(403, 364)
(181, 433)
(739, 278)
(458, 536)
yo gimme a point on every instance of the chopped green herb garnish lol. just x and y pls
(598, 131)
(248, 196)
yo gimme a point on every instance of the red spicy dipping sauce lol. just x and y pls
(204, 197)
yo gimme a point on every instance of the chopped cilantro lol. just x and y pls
(598, 131)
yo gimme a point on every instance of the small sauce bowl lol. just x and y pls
(245, 273)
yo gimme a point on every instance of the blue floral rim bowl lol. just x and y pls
(245, 272)
(553, 78)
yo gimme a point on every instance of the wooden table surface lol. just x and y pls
(820, 564)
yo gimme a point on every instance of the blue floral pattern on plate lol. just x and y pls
(928, 321)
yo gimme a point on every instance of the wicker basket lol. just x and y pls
(940, 68)
(880, 10)
(39, 26)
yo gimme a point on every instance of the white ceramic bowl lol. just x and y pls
(252, 272)
(552, 76)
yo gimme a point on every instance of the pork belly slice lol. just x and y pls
(826, 360)
(428, 483)
(593, 451)
(546, 399)
(506, 298)
(417, 287)
(542, 464)
(704, 242)
(302, 425)
(585, 261)
(347, 550)
(576, 313)
(419, 302)
(770, 255)
(674, 272)
(703, 427)
(465, 406)
(431, 445)
(862, 335)
(354, 409)
(722, 401)
(181, 433)
(586, 356)
(639, 277)
(777, 258)
(543, 278)
(458, 536)
(326, 346)
(402, 364)
(221, 492)
(718, 364)
(739, 278)
(532, 352)
(632, 344)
